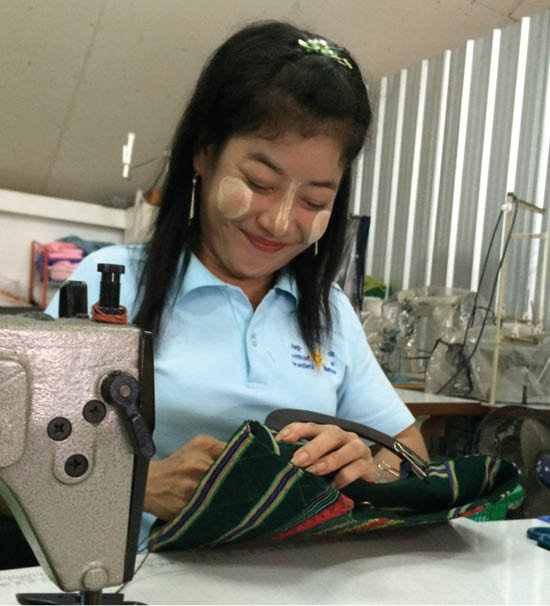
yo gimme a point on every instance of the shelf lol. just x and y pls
(21, 203)
(39, 299)
(41, 293)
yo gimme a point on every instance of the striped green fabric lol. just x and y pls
(253, 492)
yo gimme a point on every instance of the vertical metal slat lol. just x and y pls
(517, 113)
(434, 202)
(459, 169)
(395, 176)
(485, 158)
(542, 175)
(518, 105)
(376, 172)
(359, 169)
(415, 170)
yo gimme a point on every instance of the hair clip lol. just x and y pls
(321, 47)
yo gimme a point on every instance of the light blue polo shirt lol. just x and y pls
(219, 362)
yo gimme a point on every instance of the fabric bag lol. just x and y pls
(253, 492)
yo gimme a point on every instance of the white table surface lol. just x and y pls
(414, 396)
(462, 562)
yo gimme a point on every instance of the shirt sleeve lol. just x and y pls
(366, 395)
(86, 271)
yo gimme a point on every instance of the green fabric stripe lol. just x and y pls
(246, 525)
(493, 465)
(453, 481)
(211, 491)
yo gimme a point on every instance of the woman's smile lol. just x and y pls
(267, 246)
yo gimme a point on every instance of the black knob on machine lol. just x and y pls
(109, 288)
(73, 300)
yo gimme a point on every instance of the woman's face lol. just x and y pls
(264, 201)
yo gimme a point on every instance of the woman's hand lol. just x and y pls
(331, 449)
(172, 481)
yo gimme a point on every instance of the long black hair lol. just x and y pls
(260, 80)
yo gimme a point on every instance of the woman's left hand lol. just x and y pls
(331, 449)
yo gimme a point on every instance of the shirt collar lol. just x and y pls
(198, 276)
(288, 284)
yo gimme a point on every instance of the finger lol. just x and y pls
(295, 431)
(304, 431)
(327, 438)
(196, 471)
(212, 447)
(348, 453)
(205, 460)
(360, 469)
(216, 448)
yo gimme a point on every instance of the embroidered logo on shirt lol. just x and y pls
(318, 361)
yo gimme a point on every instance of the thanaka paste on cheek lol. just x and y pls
(319, 226)
(281, 223)
(233, 198)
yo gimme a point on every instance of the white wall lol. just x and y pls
(26, 217)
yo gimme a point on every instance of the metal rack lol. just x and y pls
(40, 282)
(500, 311)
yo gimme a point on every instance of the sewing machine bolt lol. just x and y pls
(125, 391)
(76, 465)
(59, 429)
(94, 411)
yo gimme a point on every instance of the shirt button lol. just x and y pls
(254, 340)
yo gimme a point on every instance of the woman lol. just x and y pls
(236, 282)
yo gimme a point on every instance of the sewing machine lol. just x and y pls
(428, 315)
(77, 403)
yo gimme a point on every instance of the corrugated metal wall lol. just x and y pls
(450, 137)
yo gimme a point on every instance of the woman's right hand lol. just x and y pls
(172, 481)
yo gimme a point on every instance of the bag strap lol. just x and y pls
(283, 416)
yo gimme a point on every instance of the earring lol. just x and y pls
(316, 248)
(192, 205)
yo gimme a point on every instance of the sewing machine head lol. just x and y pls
(77, 406)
